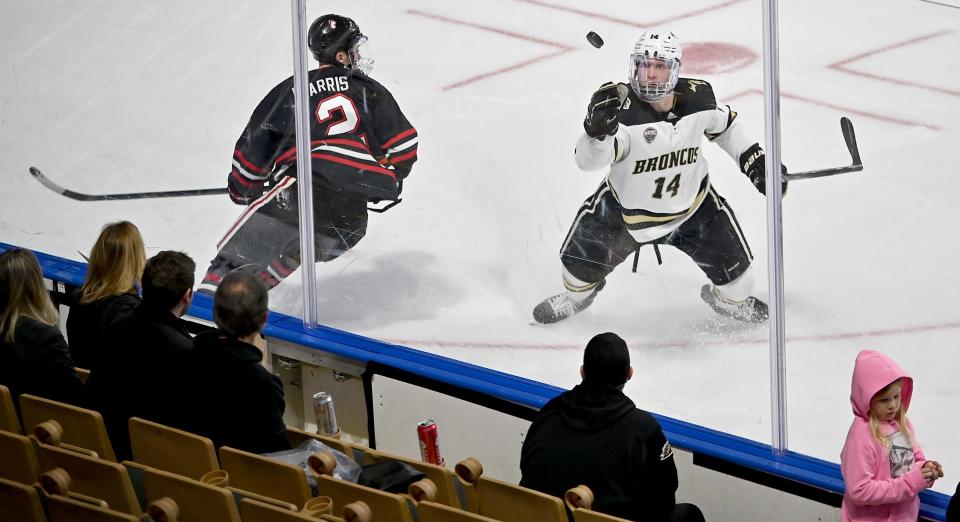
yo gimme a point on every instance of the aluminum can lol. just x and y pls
(429, 444)
(323, 411)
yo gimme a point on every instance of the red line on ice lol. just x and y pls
(561, 48)
(414, 343)
(821, 103)
(841, 65)
(621, 21)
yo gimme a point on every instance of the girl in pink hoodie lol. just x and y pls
(883, 467)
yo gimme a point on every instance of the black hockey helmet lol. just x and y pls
(332, 33)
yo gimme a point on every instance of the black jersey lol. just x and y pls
(361, 142)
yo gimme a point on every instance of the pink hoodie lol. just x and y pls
(872, 494)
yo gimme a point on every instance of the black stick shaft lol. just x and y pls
(79, 196)
(850, 138)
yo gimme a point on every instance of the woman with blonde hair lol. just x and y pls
(34, 357)
(109, 291)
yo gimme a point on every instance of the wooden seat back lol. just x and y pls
(195, 500)
(21, 503)
(265, 476)
(169, 449)
(81, 427)
(18, 459)
(93, 477)
(8, 414)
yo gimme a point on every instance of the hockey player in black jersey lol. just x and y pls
(649, 134)
(362, 147)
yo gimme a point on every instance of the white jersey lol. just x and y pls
(658, 172)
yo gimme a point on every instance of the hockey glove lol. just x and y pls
(753, 163)
(603, 113)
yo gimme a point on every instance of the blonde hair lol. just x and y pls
(116, 263)
(901, 420)
(22, 293)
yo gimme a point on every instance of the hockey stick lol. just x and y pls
(846, 127)
(130, 195)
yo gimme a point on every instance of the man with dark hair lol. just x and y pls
(146, 352)
(594, 435)
(239, 402)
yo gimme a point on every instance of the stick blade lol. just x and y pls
(36, 173)
(846, 127)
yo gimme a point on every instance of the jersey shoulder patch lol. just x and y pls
(694, 96)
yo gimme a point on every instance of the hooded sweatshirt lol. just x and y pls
(595, 435)
(880, 485)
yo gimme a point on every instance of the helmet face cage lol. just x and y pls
(655, 50)
(361, 56)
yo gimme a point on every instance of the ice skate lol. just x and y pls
(561, 306)
(751, 309)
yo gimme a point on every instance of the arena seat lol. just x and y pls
(8, 414)
(21, 503)
(265, 476)
(579, 500)
(194, 499)
(386, 506)
(169, 449)
(442, 477)
(81, 427)
(64, 509)
(93, 477)
(504, 501)
(19, 462)
(434, 512)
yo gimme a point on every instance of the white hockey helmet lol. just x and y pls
(656, 48)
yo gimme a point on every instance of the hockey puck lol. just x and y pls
(595, 39)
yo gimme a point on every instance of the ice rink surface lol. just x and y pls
(126, 96)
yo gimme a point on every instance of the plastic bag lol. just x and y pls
(346, 468)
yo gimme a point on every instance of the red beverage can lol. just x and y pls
(429, 445)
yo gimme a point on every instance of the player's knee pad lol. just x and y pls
(738, 289)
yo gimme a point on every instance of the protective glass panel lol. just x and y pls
(862, 268)
(116, 98)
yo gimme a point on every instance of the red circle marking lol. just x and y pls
(714, 58)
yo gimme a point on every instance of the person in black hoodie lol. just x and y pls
(594, 435)
(239, 402)
(145, 354)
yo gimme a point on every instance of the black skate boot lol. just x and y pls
(751, 309)
(561, 306)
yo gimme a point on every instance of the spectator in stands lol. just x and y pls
(145, 353)
(594, 435)
(109, 291)
(884, 469)
(240, 402)
(34, 357)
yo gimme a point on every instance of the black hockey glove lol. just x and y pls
(753, 163)
(603, 113)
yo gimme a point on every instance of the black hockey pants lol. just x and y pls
(266, 238)
(598, 240)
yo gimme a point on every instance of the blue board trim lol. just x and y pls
(690, 437)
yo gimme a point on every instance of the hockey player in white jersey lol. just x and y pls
(657, 191)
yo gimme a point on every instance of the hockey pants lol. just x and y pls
(266, 238)
(598, 240)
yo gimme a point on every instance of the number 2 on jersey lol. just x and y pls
(673, 187)
(349, 119)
